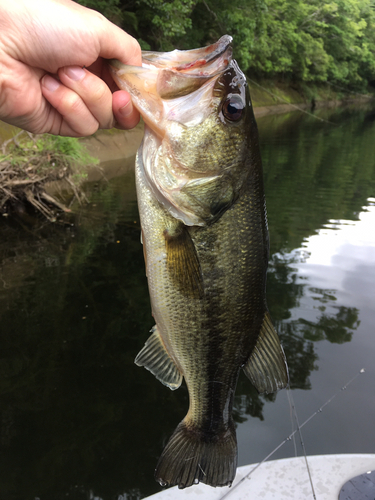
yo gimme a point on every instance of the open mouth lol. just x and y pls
(167, 76)
(173, 74)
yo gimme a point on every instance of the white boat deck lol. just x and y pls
(285, 479)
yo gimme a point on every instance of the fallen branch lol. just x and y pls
(51, 199)
(8, 196)
(24, 182)
(77, 194)
(30, 161)
(40, 206)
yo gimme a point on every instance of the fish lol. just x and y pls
(205, 238)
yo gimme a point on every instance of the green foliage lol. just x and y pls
(162, 23)
(303, 40)
(68, 147)
(310, 40)
(109, 8)
(46, 152)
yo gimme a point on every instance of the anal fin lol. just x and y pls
(267, 368)
(154, 357)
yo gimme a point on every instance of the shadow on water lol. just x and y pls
(78, 419)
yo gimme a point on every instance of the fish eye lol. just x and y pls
(233, 108)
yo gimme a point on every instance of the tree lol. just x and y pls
(302, 40)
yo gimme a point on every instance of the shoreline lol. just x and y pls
(114, 145)
(276, 109)
(116, 149)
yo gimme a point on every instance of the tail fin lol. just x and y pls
(191, 456)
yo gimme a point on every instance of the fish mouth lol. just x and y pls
(189, 61)
(166, 76)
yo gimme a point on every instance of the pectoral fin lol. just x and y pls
(182, 261)
(266, 367)
(155, 358)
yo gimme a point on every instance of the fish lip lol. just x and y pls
(194, 61)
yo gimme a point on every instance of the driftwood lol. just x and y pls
(25, 170)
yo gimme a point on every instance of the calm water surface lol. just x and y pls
(79, 420)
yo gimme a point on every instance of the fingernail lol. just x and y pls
(50, 83)
(75, 73)
(126, 110)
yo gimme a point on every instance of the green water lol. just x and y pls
(78, 420)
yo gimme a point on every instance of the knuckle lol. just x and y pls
(99, 93)
(70, 103)
(75, 112)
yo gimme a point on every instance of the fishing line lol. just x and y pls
(294, 411)
(292, 421)
(350, 91)
(343, 388)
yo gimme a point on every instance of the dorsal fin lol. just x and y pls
(154, 357)
(266, 367)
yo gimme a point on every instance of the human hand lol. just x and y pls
(53, 77)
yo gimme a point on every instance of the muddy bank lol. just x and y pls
(111, 145)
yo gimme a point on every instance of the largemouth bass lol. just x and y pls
(205, 239)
